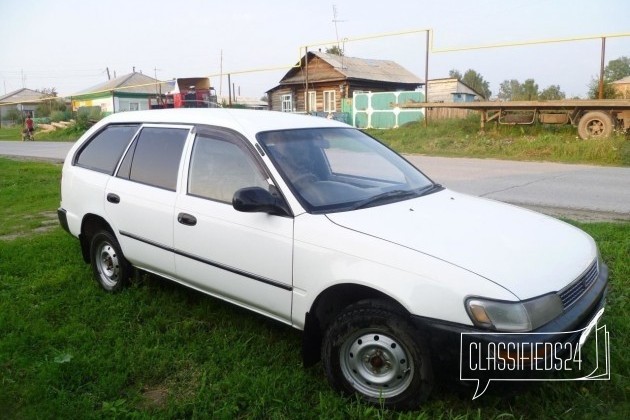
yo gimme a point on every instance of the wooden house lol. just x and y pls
(321, 82)
(622, 88)
(451, 90)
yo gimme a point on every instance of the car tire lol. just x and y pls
(371, 349)
(111, 269)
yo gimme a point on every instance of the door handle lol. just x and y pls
(186, 219)
(113, 198)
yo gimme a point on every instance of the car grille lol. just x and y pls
(575, 290)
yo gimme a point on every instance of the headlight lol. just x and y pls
(521, 316)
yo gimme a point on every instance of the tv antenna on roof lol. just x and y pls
(335, 20)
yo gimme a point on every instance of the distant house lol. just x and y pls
(451, 90)
(130, 92)
(622, 87)
(23, 100)
(332, 78)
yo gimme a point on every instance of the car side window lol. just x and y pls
(218, 168)
(154, 158)
(104, 150)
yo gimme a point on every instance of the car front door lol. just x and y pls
(245, 258)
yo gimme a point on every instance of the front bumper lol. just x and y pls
(450, 343)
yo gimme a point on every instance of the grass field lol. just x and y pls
(550, 143)
(159, 350)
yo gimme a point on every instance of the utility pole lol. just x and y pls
(108, 76)
(221, 75)
(601, 70)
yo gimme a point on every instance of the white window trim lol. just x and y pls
(310, 99)
(286, 99)
(327, 101)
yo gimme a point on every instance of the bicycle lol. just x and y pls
(28, 135)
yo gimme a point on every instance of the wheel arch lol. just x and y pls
(327, 306)
(90, 225)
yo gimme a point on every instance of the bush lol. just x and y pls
(59, 116)
(87, 116)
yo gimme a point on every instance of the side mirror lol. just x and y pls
(258, 200)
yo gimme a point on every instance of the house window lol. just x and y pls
(134, 106)
(329, 101)
(311, 101)
(287, 103)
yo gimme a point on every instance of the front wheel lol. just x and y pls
(372, 350)
(111, 269)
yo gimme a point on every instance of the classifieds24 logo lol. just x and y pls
(557, 356)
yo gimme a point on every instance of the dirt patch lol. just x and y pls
(47, 222)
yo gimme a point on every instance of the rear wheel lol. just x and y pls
(111, 269)
(372, 350)
(595, 124)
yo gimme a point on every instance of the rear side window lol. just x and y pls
(156, 156)
(103, 151)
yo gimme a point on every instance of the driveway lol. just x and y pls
(581, 192)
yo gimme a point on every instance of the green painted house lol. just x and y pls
(131, 92)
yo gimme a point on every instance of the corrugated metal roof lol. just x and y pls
(357, 68)
(22, 95)
(129, 83)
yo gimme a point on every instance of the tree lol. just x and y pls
(473, 80)
(335, 49)
(529, 91)
(509, 90)
(455, 74)
(50, 103)
(476, 82)
(551, 93)
(615, 70)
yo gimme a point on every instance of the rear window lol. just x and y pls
(156, 157)
(104, 150)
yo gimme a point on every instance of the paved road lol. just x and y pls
(582, 192)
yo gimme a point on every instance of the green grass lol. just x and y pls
(159, 350)
(13, 133)
(461, 138)
(68, 134)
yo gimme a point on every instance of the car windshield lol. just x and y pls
(340, 169)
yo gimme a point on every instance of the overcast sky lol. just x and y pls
(68, 44)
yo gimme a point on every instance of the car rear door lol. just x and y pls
(245, 258)
(140, 199)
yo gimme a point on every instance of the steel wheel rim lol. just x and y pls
(596, 127)
(376, 364)
(108, 265)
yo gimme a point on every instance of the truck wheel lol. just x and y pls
(111, 269)
(372, 350)
(595, 124)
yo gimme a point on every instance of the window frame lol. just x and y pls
(230, 138)
(87, 143)
(328, 102)
(286, 100)
(310, 101)
(131, 149)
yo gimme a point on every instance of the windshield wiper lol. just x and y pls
(384, 197)
(395, 195)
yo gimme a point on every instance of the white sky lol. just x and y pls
(67, 44)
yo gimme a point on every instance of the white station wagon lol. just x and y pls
(316, 224)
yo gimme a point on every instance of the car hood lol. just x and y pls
(526, 252)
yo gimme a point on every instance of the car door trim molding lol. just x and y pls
(220, 266)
